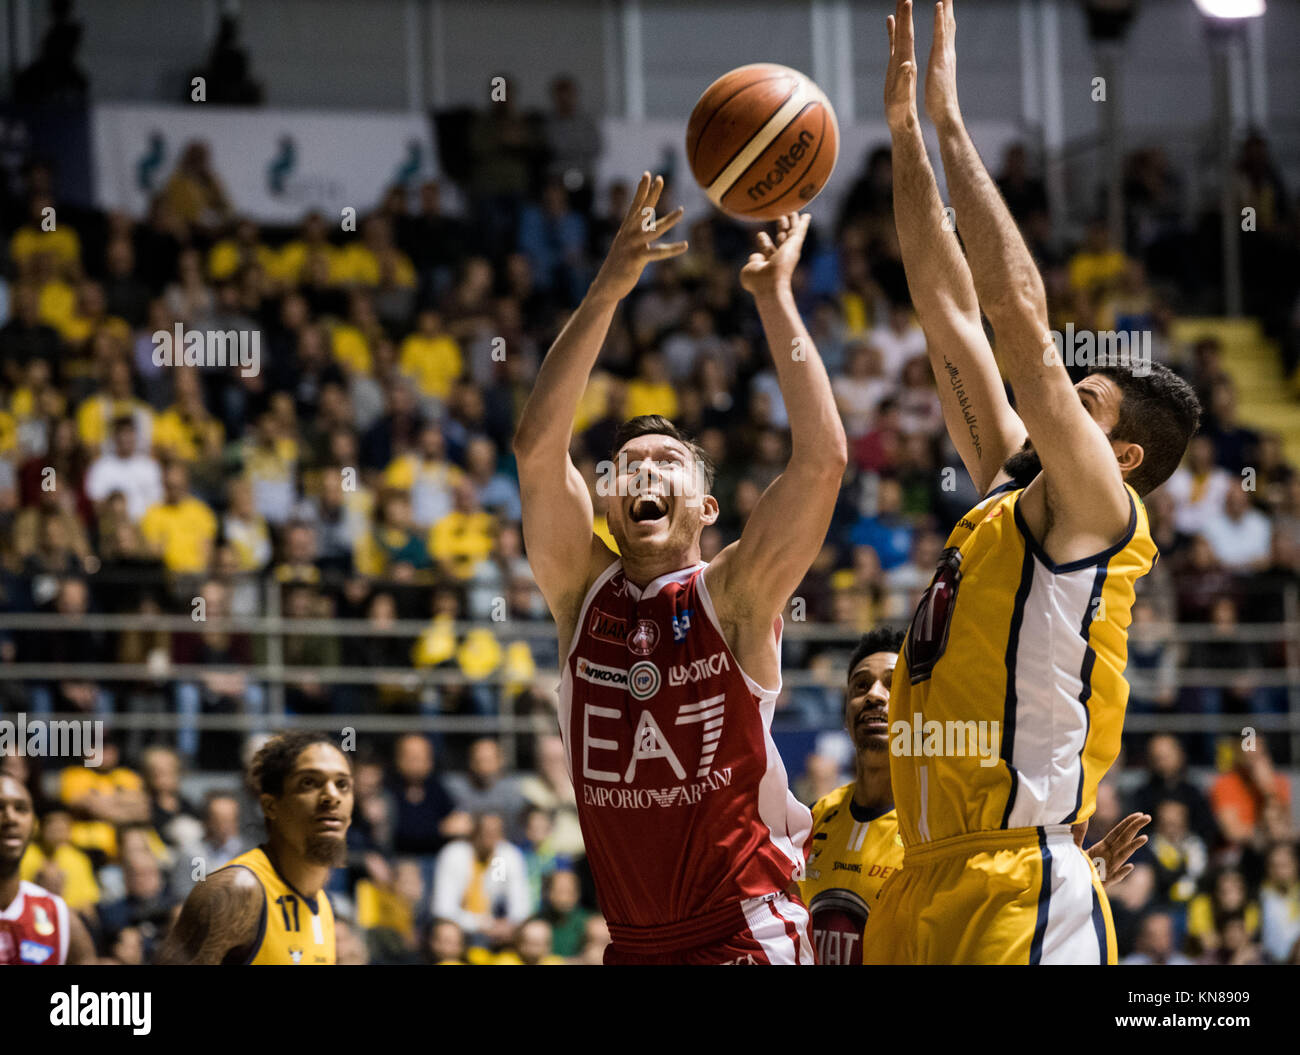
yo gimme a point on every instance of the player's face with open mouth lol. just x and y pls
(658, 496)
(316, 807)
(866, 709)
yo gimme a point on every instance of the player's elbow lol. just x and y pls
(1022, 303)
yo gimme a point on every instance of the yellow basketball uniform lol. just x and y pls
(295, 929)
(1005, 713)
(854, 850)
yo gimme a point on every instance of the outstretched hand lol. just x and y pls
(1117, 846)
(900, 74)
(633, 245)
(772, 264)
(941, 73)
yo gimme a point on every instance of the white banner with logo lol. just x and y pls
(276, 165)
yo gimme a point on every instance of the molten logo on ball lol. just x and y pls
(785, 163)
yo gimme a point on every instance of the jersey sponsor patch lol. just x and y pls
(601, 675)
(643, 680)
(686, 673)
(606, 627)
(681, 624)
(41, 921)
(34, 952)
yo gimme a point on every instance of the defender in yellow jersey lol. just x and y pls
(1008, 703)
(268, 906)
(855, 843)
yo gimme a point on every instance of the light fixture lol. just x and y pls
(1231, 9)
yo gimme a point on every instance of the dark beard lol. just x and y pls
(1023, 466)
(324, 850)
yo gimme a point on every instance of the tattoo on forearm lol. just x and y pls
(963, 401)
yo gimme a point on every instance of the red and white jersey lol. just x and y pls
(684, 802)
(34, 928)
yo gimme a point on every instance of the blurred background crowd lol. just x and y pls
(364, 473)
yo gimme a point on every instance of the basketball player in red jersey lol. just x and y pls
(36, 927)
(671, 667)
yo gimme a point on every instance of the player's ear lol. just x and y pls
(1129, 455)
(268, 806)
(708, 510)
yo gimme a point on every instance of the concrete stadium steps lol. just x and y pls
(1266, 399)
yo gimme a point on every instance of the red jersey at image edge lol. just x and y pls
(683, 799)
(34, 928)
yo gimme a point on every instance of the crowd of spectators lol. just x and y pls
(363, 471)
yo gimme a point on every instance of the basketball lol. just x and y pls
(762, 141)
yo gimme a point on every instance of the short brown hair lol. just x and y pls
(658, 425)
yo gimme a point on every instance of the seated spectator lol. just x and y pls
(1279, 899)
(1240, 797)
(115, 399)
(561, 908)
(127, 470)
(221, 842)
(1179, 856)
(1167, 779)
(426, 474)
(392, 548)
(444, 944)
(1227, 896)
(595, 940)
(146, 904)
(496, 492)
(481, 884)
(245, 530)
(531, 947)
(180, 529)
(100, 798)
(425, 814)
(1239, 534)
(170, 814)
(52, 861)
(430, 356)
(484, 787)
(463, 538)
(887, 532)
(1156, 943)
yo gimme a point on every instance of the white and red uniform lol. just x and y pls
(690, 828)
(34, 928)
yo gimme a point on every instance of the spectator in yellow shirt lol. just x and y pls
(100, 799)
(181, 528)
(650, 391)
(114, 400)
(87, 316)
(186, 430)
(232, 255)
(431, 357)
(294, 262)
(364, 263)
(464, 537)
(427, 475)
(1097, 264)
(194, 191)
(45, 234)
(54, 863)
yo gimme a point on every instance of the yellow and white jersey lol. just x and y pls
(1009, 696)
(854, 850)
(295, 928)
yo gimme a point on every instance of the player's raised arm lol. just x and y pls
(982, 425)
(757, 574)
(1085, 492)
(557, 507)
(221, 915)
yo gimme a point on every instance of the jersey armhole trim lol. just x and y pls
(1103, 557)
(1002, 488)
(764, 695)
(610, 571)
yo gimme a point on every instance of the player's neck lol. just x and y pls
(306, 877)
(871, 787)
(641, 572)
(9, 889)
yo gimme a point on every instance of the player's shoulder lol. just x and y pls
(831, 801)
(35, 892)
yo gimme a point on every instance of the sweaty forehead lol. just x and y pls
(1100, 386)
(875, 663)
(321, 758)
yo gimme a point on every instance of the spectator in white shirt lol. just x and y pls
(482, 885)
(124, 469)
(1198, 487)
(899, 340)
(860, 388)
(1240, 535)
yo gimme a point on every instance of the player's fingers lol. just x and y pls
(638, 197)
(765, 243)
(889, 28)
(905, 42)
(656, 189)
(664, 224)
(1118, 877)
(663, 252)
